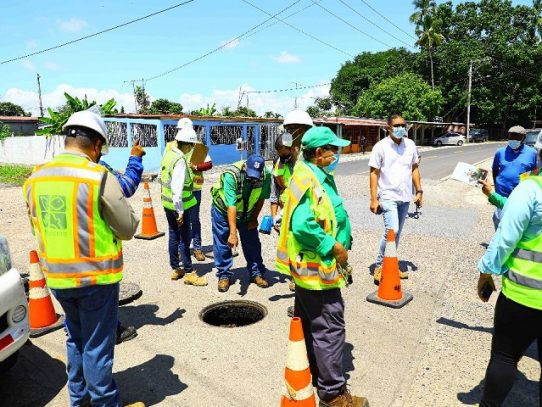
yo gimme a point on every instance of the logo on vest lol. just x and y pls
(53, 211)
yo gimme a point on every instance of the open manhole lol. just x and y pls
(231, 314)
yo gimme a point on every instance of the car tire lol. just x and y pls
(8, 363)
(438, 143)
(460, 143)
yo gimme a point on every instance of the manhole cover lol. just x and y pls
(231, 314)
(129, 292)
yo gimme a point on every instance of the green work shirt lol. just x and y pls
(307, 230)
(230, 188)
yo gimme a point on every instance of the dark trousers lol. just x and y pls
(322, 316)
(195, 222)
(179, 240)
(516, 327)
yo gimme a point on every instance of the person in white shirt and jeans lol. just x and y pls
(393, 171)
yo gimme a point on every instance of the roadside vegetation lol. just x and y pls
(14, 174)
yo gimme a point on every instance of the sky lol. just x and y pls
(320, 36)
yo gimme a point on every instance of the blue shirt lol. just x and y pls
(129, 181)
(509, 165)
(521, 217)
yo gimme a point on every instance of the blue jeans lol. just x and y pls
(394, 214)
(179, 239)
(91, 322)
(497, 214)
(250, 243)
(194, 221)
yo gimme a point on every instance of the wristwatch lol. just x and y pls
(419, 192)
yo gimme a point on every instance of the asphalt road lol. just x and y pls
(436, 163)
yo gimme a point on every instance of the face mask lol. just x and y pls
(514, 144)
(399, 132)
(331, 167)
(286, 159)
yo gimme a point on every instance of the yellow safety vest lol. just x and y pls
(307, 268)
(170, 159)
(282, 174)
(523, 282)
(76, 247)
(244, 206)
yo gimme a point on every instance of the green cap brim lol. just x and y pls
(340, 142)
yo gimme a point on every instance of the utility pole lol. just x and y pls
(39, 94)
(133, 82)
(468, 103)
(295, 102)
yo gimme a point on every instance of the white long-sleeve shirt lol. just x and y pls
(177, 182)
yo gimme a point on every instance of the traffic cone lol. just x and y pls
(149, 230)
(43, 318)
(389, 290)
(298, 389)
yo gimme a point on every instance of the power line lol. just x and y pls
(97, 33)
(388, 20)
(300, 30)
(221, 46)
(288, 89)
(376, 25)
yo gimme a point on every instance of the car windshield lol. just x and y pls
(531, 136)
(5, 258)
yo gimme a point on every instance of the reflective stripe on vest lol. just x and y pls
(523, 281)
(307, 268)
(169, 161)
(282, 174)
(77, 248)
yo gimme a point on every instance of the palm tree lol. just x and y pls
(426, 29)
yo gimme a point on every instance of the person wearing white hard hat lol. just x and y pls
(297, 122)
(178, 200)
(79, 216)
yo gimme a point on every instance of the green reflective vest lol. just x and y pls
(169, 160)
(307, 268)
(76, 247)
(523, 282)
(282, 173)
(243, 204)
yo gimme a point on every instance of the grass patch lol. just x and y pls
(14, 174)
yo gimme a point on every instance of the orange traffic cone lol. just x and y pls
(149, 230)
(43, 318)
(389, 290)
(298, 389)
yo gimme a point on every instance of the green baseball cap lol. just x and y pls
(321, 136)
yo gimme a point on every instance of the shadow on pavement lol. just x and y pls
(348, 360)
(277, 297)
(404, 265)
(484, 245)
(145, 314)
(151, 382)
(35, 379)
(461, 325)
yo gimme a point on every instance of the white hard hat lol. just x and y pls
(185, 122)
(298, 116)
(91, 121)
(187, 135)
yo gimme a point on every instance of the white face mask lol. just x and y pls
(514, 144)
(399, 132)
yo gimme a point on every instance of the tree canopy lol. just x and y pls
(11, 109)
(165, 106)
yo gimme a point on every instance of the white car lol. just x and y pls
(14, 328)
(450, 139)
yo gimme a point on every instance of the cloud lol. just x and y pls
(231, 44)
(72, 25)
(28, 65)
(32, 45)
(52, 66)
(286, 58)
(30, 102)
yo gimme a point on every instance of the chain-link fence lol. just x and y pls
(171, 129)
(225, 134)
(118, 134)
(146, 134)
(268, 135)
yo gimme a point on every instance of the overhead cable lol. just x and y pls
(388, 20)
(288, 89)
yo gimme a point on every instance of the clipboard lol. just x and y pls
(199, 154)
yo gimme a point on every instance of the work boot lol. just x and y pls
(177, 274)
(193, 279)
(290, 311)
(377, 275)
(403, 275)
(345, 400)
(260, 282)
(223, 285)
(199, 255)
(125, 333)
(136, 404)
(291, 286)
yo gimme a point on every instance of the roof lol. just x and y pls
(18, 119)
(437, 123)
(350, 121)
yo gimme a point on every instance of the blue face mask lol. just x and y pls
(399, 132)
(331, 167)
(514, 144)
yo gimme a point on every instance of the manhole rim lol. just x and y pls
(212, 306)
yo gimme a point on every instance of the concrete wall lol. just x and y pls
(30, 149)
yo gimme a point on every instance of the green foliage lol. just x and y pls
(165, 106)
(57, 119)
(143, 100)
(209, 110)
(5, 131)
(407, 94)
(243, 111)
(14, 174)
(11, 109)
(272, 115)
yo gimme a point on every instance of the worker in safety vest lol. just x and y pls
(238, 197)
(79, 216)
(515, 254)
(297, 122)
(315, 235)
(178, 200)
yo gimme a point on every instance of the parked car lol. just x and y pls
(14, 328)
(478, 135)
(532, 138)
(450, 139)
